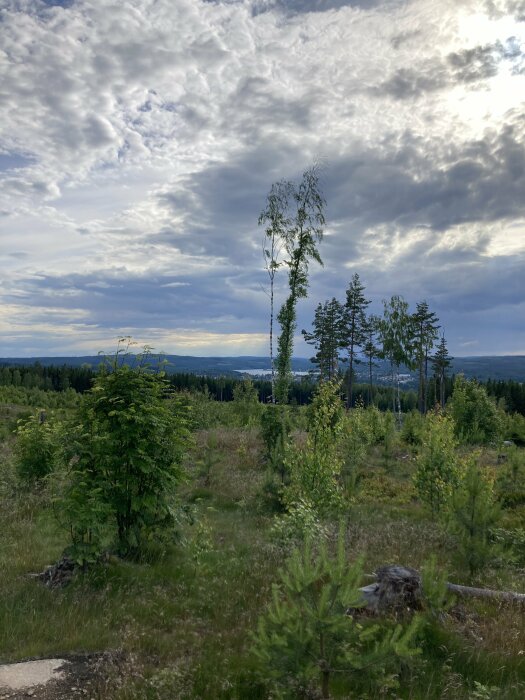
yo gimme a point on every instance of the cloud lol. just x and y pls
(139, 142)
(469, 66)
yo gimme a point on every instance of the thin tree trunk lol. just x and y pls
(370, 390)
(468, 591)
(272, 363)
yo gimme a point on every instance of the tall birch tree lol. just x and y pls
(397, 340)
(303, 233)
(276, 218)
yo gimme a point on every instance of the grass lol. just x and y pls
(184, 620)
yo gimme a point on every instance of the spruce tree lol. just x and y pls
(440, 363)
(425, 334)
(370, 350)
(355, 320)
(327, 337)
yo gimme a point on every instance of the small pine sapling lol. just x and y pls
(307, 636)
(473, 513)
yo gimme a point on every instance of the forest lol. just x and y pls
(177, 536)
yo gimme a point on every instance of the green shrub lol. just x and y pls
(476, 417)
(306, 637)
(437, 469)
(128, 445)
(413, 428)
(315, 469)
(37, 446)
(473, 513)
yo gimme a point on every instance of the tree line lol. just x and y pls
(80, 379)
(343, 332)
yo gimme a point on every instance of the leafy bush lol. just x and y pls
(413, 428)
(299, 523)
(128, 445)
(246, 407)
(437, 469)
(356, 439)
(476, 417)
(315, 469)
(37, 446)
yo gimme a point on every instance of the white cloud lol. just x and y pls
(143, 136)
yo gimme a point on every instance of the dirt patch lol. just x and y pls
(76, 676)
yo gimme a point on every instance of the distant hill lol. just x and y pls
(482, 368)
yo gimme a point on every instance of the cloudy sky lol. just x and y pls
(139, 138)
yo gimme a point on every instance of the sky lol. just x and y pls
(139, 140)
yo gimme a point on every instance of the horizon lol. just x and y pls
(138, 146)
(238, 357)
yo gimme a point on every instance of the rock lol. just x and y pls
(29, 674)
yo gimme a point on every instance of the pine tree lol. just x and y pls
(327, 337)
(306, 636)
(425, 334)
(370, 350)
(355, 320)
(473, 513)
(440, 363)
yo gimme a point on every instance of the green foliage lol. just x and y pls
(327, 337)
(473, 513)
(306, 635)
(425, 334)
(357, 437)
(275, 431)
(246, 406)
(355, 328)
(302, 229)
(37, 446)
(315, 469)
(434, 584)
(300, 522)
(389, 437)
(128, 445)
(511, 478)
(378, 487)
(437, 470)
(413, 428)
(475, 414)
(440, 363)
(39, 398)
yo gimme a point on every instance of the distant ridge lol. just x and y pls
(483, 367)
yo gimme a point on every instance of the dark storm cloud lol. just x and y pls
(302, 6)
(498, 8)
(191, 301)
(222, 204)
(466, 67)
(434, 185)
